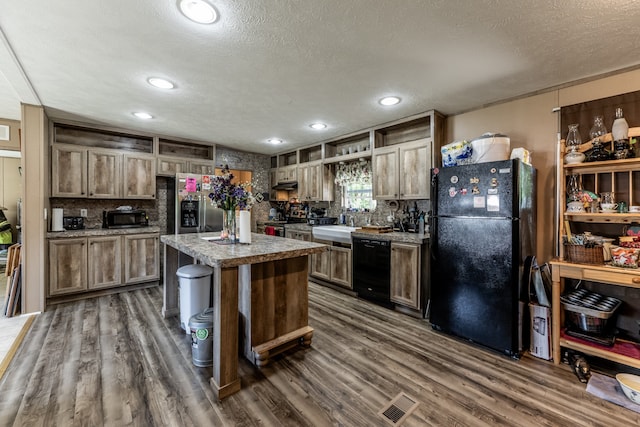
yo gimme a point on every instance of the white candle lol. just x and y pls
(245, 226)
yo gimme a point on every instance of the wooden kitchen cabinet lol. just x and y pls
(81, 172)
(105, 262)
(169, 166)
(139, 177)
(141, 253)
(333, 265)
(315, 182)
(406, 274)
(288, 173)
(68, 171)
(105, 176)
(298, 235)
(401, 171)
(201, 167)
(67, 266)
(340, 266)
(78, 265)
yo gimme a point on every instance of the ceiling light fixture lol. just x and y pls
(389, 100)
(143, 115)
(318, 126)
(198, 11)
(160, 83)
(275, 141)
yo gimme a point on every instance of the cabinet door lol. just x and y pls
(281, 174)
(141, 253)
(105, 169)
(321, 263)
(341, 266)
(201, 167)
(303, 182)
(314, 182)
(414, 166)
(405, 274)
(139, 177)
(68, 171)
(67, 266)
(170, 167)
(385, 174)
(292, 173)
(105, 261)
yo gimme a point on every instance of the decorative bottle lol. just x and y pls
(572, 144)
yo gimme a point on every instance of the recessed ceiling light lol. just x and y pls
(142, 115)
(160, 83)
(198, 11)
(275, 141)
(318, 126)
(389, 100)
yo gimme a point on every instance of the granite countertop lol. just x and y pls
(92, 232)
(395, 236)
(261, 249)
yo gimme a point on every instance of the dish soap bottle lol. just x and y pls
(620, 135)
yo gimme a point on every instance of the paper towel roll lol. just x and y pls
(56, 219)
(245, 226)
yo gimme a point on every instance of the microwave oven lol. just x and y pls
(124, 219)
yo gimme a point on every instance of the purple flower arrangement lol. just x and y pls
(229, 196)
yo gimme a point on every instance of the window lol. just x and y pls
(358, 196)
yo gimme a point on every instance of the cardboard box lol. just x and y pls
(540, 331)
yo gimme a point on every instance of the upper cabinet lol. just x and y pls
(101, 164)
(403, 155)
(181, 156)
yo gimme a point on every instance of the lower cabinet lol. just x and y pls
(141, 262)
(333, 265)
(67, 266)
(298, 235)
(406, 275)
(83, 264)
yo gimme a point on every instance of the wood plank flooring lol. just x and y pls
(115, 361)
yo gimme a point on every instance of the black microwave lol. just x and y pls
(124, 219)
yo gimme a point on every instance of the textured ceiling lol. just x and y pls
(270, 68)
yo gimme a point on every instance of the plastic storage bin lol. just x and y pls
(201, 327)
(195, 291)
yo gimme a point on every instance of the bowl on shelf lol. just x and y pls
(630, 385)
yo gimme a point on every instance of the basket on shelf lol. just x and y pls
(584, 254)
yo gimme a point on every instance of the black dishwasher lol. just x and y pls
(371, 269)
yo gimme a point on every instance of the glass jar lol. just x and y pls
(574, 188)
(572, 144)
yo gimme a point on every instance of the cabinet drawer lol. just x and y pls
(610, 275)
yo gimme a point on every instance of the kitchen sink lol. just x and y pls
(333, 233)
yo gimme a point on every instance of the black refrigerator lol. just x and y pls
(482, 226)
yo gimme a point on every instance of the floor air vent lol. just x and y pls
(396, 411)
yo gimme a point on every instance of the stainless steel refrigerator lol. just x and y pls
(193, 210)
(482, 227)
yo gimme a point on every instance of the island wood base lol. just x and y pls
(263, 305)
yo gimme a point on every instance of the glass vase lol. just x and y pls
(229, 225)
(572, 144)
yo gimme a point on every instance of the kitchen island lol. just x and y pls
(259, 289)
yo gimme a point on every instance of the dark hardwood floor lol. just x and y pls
(115, 361)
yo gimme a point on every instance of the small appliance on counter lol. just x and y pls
(73, 223)
(124, 218)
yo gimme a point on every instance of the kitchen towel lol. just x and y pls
(270, 230)
(245, 226)
(607, 388)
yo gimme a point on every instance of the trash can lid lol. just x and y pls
(193, 271)
(202, 320)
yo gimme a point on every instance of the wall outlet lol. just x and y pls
(83, 213)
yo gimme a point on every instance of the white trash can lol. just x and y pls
(195, 291)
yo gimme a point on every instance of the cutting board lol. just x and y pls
(376, 229)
